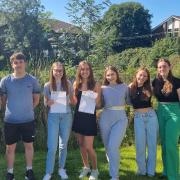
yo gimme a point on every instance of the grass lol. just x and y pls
(73, 165)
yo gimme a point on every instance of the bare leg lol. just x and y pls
(88, 141)
(84, 153)
(29, 152)
(10, 155)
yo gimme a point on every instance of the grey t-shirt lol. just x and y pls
(47, 92)
(19, 93)
(115, 95)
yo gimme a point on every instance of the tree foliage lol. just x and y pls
(126, 25)
(84, 14)
(178, 44)
(71, 47)
(164, 48)
(23, 29)
(133, 58)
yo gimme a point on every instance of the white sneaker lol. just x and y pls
(94, 175)
(47, 177)
(84, 172)
(62, 173)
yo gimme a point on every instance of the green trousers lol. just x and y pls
(169, 128)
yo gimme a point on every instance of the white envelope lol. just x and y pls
(88, 102)
(60, 100)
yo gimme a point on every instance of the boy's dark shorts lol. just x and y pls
(16, 132)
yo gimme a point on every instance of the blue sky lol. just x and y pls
(160, 9)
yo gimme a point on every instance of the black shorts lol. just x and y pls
(16, 132)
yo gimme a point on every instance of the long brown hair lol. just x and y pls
(52, 80)
(112, 68)
(168, 86)
(91, 81)
(146, 85)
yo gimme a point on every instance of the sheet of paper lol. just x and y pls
(88, 102)
(60, 104)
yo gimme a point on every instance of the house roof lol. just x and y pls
(173, 16)
(177, 17)
(57, 25)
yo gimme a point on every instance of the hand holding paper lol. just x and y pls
(88, 102)
(60, 102)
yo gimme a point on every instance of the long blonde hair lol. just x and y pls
(52, 80)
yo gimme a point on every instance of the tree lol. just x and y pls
(84, 14)
(126, 25)
(24, 30)
(71, 47)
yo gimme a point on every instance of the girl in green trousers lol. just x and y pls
(167, 91)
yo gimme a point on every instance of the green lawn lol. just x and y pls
(73, 166)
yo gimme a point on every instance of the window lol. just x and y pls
(176, 29)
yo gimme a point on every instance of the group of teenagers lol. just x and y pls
(20, 93)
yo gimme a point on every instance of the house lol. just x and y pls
(59, 30)
(59, 26)
(169, 27)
